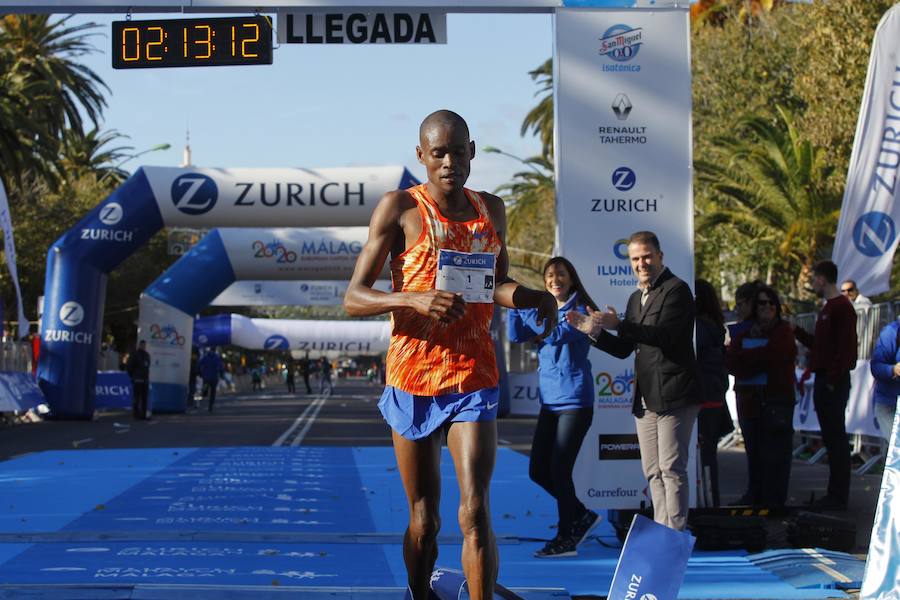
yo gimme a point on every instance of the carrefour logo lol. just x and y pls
(621, 43)
(276, 342)
(874, 233)
(111, 213)
(194, 194)
(623, 179)
(71, 314)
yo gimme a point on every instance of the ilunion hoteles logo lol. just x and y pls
(111, 213)
(71, 314)
(623, 179)
(874, 234)
(194, 194)
(276, 342)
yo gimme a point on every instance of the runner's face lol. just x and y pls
(558, 282)
(446, 152)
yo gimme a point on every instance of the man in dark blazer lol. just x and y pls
(659, 328)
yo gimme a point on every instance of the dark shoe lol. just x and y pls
(558, 547)
(827, 502)
(582, 528)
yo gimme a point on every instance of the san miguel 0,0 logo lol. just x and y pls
(621, 43)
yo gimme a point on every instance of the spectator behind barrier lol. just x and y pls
(714, 421)
(762, 360)
(885, 367)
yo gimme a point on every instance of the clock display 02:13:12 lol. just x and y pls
(192, 42)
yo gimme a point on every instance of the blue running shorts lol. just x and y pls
(417, 417)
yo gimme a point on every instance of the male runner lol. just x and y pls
(448, 265)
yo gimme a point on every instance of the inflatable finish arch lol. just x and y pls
(351, 337)
(223, 256)
(79, 262)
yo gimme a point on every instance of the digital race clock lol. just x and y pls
(192, 42)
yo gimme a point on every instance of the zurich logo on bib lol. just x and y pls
(276, 342)
(194, 194)
(874, 234)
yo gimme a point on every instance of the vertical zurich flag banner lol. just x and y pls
(866, 236)
(79, 262)
(882, 576)
(652, 563)
(623, 163)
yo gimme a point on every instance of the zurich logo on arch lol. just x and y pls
(194, 194)
(111, 213)
(276, 342)
(874, 233)
(71, 313)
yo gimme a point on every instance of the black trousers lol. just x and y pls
(768, 440)
(557, 440)
(709, 432)
(831, 408)
(209, 387)
(139, 398)
(306, 382)
(292, 389)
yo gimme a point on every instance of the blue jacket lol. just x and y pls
(884, 357)
(211, 366)
(564, 371)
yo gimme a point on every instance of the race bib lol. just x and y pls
(470, 274)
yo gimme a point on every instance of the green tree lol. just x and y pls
(771, 185)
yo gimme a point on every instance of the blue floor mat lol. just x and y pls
(299, 518)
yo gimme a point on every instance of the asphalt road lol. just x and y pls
(348, 417)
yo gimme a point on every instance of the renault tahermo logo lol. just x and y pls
(621, 106)
(194, 194)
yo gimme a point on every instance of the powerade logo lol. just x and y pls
(166, 335)
(71, 314)
(614, 446)
(874, 234)
(194, 194)
(273, 249)
(619, 274)
(304, 287)
(614, 392)
(276, 342)
(621, 43)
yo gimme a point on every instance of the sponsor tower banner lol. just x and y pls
(623, 164)
(867, 231)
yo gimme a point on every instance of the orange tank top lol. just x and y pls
(427, 357)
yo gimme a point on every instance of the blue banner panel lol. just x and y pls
(653, 561)
(113, 390)
(168, 397)
(75, 293)
(207, 269)
(213, 331)
(18, 392)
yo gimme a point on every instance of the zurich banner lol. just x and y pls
(288, 293)
(867, 231)
(79, 262)
(350, 337)
(622, 85)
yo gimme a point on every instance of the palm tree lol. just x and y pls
(43, 91)
(539, 120)
(82, 153)
(771, 186)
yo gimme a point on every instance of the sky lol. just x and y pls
(335, 105)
